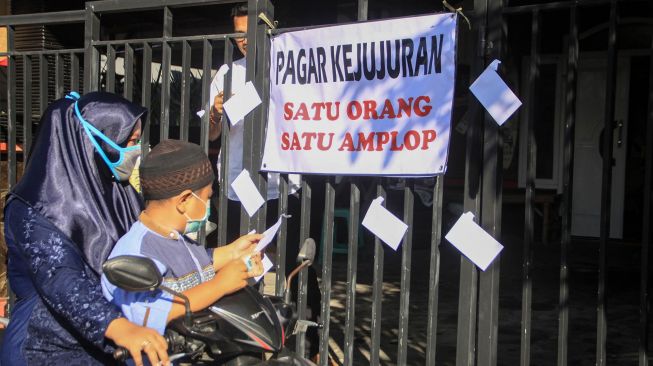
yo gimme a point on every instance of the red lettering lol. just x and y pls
(407, 137)
(370, 109)
(365, 143)
(295, 142)
(320, 141)
(287, 111)
(308, 136)
(333, 113)
(404, 106)
(426, 109)
(394, 146)
(302, 112)
(347, 143)
(429, 136)
(388, 111)
(285, 143)
(350, 110)
(317, 107)
(382, 138)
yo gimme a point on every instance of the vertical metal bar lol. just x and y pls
(58, 76)
(434, 272)
(184, 121)
(27, 106)
(362, 10)
(248, 128)
(567, 181)
(468, 288)
(111, 69)
(146, 96)
(282, 237)
(304, 232)
(92, 55)
(646, 226)
(377, 289)
(606, 185)
(128, 86)
(207, 60)
(74, 72)
(327, 253)
(353, 239)
(11, 109)
(527, 284)
(224, 146)
(165, 80)
(258, 62)
(43, 83)
(488, 307)
(352, 270)
(406, 254)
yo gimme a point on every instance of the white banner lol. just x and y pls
(363, 99)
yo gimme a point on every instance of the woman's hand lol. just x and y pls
(240, 247)
(136, 339)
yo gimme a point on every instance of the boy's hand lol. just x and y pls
(232, 277)
(244, 245)
(255, 267)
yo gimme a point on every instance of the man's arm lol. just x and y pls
(215, 118)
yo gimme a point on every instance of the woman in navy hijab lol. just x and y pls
(61, 221)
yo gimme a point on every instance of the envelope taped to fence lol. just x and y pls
(474, 242)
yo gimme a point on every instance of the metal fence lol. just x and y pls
(142, 69)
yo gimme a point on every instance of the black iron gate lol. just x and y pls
(163, 74)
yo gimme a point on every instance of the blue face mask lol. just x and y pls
(193, 226)
(124, 166)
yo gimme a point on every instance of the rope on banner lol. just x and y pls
(459, 11)
(266, 20)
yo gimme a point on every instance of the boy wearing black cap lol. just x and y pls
(176, 179)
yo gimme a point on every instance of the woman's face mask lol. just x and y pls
(193, 226)
(122, 168)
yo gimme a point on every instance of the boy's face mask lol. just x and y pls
(121, 169)
(193, 226)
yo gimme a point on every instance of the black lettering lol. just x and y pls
(279, 65)
(346, 49)
(422, 57)
(301, 66)
(321, 61)
(407, 56)
(436, 54)
(335, 63)
(393, 72)
(290, 68)
(312, 70)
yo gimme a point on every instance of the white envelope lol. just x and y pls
(473, 242)
(494, 94)
(384, 224)
(247, 193)
(240, 104)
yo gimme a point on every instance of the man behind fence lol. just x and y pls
(235, 166)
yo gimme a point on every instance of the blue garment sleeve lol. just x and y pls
(147, 308)
(60, 275)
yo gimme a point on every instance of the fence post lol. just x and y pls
(92, 55)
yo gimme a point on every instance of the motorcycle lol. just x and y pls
(240, 329)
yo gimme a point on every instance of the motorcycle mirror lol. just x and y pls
(307, 251)
(132, 273)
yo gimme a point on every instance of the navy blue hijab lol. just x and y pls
(67, 182)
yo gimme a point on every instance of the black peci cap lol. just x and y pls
(172, 167)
